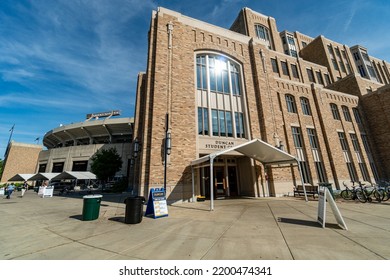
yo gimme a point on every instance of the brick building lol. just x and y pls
(223, 87)
(20, 158)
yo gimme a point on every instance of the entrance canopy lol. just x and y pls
(255, 149)
(20, 177)
(78, 175)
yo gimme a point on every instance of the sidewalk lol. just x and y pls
(34, 228)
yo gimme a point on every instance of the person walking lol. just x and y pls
(10, 189)
(24, 188)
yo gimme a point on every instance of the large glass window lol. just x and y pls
(219, 96)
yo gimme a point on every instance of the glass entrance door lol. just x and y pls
(219, 181)
(232, 175)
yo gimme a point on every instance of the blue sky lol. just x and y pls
(62, 59)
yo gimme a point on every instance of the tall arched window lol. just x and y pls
(263, 33)
(219, 96)
(305, 106)
(290, 102)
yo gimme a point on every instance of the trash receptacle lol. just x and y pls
(134, 209)
(91, 207)
(329, 186)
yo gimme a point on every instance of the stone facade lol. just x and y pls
(270, 82)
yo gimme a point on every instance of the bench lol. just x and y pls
(310, 189)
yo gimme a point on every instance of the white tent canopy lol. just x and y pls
(21, 177)
(255, 149)
(43, 176)
(78, 175)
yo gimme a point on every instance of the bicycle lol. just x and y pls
(348, 193)
(364, 195)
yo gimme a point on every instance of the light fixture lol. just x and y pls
(135, 148)
(168, 143)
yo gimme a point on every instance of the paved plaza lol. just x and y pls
(35, 228)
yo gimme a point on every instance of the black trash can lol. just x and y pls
(134, 209)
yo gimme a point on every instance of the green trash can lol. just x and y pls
(329, 186)
(91, 206)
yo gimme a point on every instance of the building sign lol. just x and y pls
(209, 145)
(104, 114)
(219, 145)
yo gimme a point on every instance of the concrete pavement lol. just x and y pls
(34, 228)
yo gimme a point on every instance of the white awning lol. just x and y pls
(256, 149)
(43, 176)
(79, 175)
(20, 177)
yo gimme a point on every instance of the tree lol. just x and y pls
(105, 163)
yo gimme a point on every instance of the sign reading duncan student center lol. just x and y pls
(212, 145)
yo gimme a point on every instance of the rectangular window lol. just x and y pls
(312, 138)
(240, 129)
(58, 167)
(214, 119)
(235, 78)
(335, 65)
(296, 132)
(285, 68)
(222, 123)
(342, 67)
(319, 78)
(201, 72)
(274, 64)
(343, 141)
(357, 115)
(80, 165)
(294, 70)
(294, 53)
(330, 50)
(229, 124)
(203, 121)
(42, 167)
(310, 75)
(327, 79)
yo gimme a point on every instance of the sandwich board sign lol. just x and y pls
(324, 195)
(157, 204)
